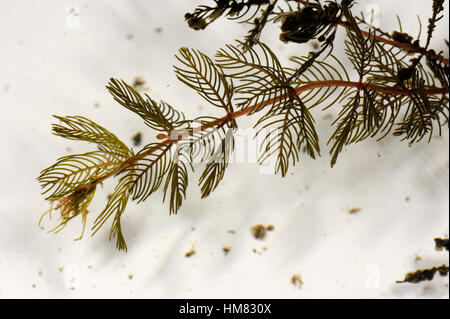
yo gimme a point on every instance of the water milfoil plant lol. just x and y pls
(399, 88)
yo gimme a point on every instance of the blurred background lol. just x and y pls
(56, 58)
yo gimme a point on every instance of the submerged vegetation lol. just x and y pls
(400, 88)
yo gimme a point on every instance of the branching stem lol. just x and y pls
(232, 116)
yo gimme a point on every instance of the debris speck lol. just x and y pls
(315, 45)
(296, 280)
(130, 276)
(138, 82)
(61, 269)
(441, 243)
(190, 253)
(232, 231)
(137, 139)
(96, 104)
(40, 272)
(417, 258)
(407, 198)
(354, 210)
(33, 285)
(226, 250)
(424, 274)
(158, 29)
(130, 36)
(258, 231)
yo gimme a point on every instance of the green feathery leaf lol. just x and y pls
(161, 117)
(177, 178)
(200, 73)
(116, 205)
(74, 171)
(146, 170)
(83, 129)
(259, 72)
(215, 168)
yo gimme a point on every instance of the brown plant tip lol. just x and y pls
(424, 274)
(296, 280)
(441, 243)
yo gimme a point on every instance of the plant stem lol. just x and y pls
(231, 116)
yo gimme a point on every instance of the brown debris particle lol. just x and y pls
(270, 227)
(315, 45)
(137, 139)
(40, 272)
(417, 258)
(226, 250)
(354, 210)
(190, 253)
(33, 285)
(424, 274)
(130, 276)
(258, 231)
(232, 231)
(441, 243)
(138, 82)
(296, 280)
(158, 29)
(130, 36)
(61, 269)
(407, 198)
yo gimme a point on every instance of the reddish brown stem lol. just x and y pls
(231, 116)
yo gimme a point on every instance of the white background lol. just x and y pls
(50, 64)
